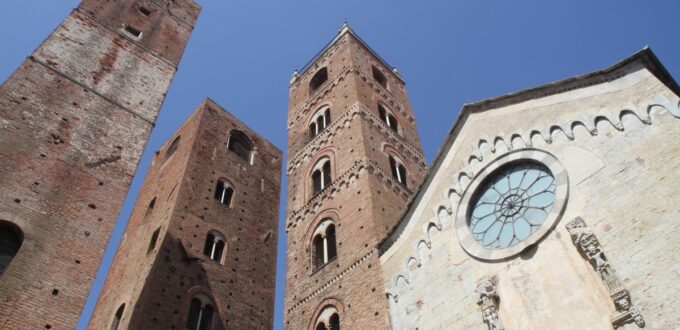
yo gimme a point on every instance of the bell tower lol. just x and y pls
(354, 162)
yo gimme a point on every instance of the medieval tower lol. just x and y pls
(354, 162)
(74, 119)
(199, 251)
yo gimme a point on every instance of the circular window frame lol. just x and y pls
(465, 238)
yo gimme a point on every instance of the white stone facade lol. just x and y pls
(615, 132)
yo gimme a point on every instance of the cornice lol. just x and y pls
(343, 181)
(330, 282)
(357, 109)
(318, 96)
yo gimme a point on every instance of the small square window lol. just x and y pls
(133, 31)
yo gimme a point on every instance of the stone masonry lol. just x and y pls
(74, 119)
(363, 199)
(155, 276)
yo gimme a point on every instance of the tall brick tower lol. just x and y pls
(74, 119)
(199, 251)
(354, 161)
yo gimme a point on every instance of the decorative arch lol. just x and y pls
(323, 248)
(204, 297)
(325, 311)
(388, 117)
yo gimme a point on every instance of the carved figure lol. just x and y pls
(488, 301)
(587, 243)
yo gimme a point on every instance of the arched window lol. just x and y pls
(388, 118)
(318, 79)
(321, 176)
(224, 192)
(201, 312)
(117, 317)
(323, 244)
(398, 171)
(328, 319)
(173, 147)
(214, 246)
(149, 209)
(379, 76)
(11, 238)
(320, 121)
(240, 144)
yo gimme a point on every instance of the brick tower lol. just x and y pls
(74, 119)
(199, 249)
(354, 161)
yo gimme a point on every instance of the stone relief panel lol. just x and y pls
(487, 300)
(588, 245)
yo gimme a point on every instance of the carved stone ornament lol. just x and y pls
(588, 245)
(487, 299)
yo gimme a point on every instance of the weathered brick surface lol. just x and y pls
(363, 200)
(69, 146)
(156, 286)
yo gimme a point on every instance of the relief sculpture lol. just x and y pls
(587, 243)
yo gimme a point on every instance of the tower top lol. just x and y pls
(344, 29)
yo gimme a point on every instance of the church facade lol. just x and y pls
(549, 208)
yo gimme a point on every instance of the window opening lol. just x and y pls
(318, 79)
(398, 171)
(321, 177)
(323, 244)
(214, 246)
(10, 242)
(117, 317)
(240, 144)
(321, 120)
(149, 209)
(172, 148)
(224, 193)
(133, 31)
(388, 118)
(379, 77)
(200, 314)
(154, 239)
(144, 11)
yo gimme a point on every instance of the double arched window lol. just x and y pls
(201, 313)
(398, 170)
(318, 79)
(240, 144)
(321, 120)
(323, 244)
(329, 319)
(214, 246)
(321, 175)
(11, 238)
(387, 117)
(224, 192)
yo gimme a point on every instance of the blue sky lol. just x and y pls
(242, 54)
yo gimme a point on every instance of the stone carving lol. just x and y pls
(587, 243)
(488, 300)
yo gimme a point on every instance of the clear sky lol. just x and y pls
(242, 54)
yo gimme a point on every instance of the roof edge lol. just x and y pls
(345, 29)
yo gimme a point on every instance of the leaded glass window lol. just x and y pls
(512, 204)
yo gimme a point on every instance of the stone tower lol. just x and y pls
(199, 249)
(354, 162)
(74, 119)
